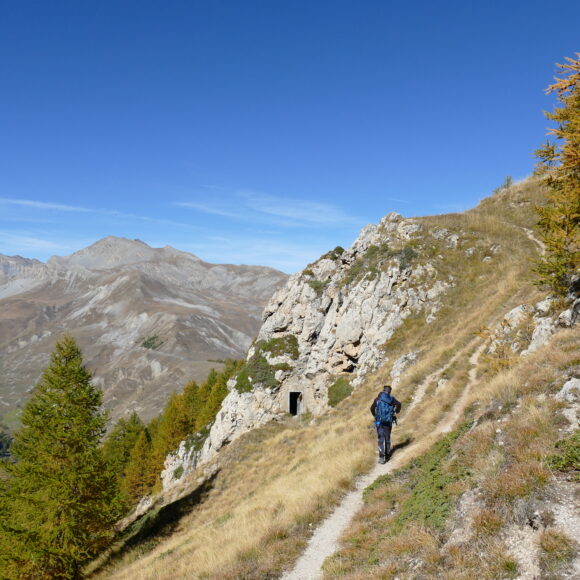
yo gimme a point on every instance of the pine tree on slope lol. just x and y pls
(117, 451)
(139, 478)
(560, 162)
(57, 495)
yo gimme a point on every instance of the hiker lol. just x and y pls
(384, 409)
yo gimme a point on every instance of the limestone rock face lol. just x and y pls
(400, 365)
(340, 311)
(526, 328)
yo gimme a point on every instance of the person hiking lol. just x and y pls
(384, 409)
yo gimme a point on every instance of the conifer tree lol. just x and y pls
(184, 414)
(121, 440)
(117, 449)
(57, 494)
(139, 477)
(173, 428)
(5, 441)
(217, 394)
(191, 403)
(203, 398)
(559, 219)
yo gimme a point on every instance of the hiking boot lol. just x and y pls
(382, 459)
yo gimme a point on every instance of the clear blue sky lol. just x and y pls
(263, 131)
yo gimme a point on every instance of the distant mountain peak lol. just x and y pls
(109, 252)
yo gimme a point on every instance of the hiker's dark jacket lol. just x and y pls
(396, 404)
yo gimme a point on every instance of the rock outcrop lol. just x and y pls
(331, 320)
(526, 328)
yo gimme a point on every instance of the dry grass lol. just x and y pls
(272, 488)
(487, 521)
(502, 455)
(276, 483)
(557, 550)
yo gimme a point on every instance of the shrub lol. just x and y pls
(280, 346)
(339, 391)
(318, 286)
(568, 459)
(256, 370)
(374, 260)
(405, 256)
(431, 500)
(152, 342)
(367, 262)
(333, 254)
(178, 472)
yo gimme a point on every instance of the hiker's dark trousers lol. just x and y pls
(384, 435)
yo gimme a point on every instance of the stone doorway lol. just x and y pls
(295, 402)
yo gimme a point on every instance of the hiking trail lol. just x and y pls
(325, 540)
(530, 234)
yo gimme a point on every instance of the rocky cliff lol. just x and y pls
(329, 322)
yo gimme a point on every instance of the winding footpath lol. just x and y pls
(325, 540)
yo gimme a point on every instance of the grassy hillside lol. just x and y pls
(509, 464)
(273, 486)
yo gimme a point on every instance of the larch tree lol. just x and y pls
(57, 491)
(559, 218)
(139, 477)
(173, 428)
(119, 444)
(122, 438)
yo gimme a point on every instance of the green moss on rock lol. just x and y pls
(339, 391)
(318, 286)
(257, 370)
(280, 346)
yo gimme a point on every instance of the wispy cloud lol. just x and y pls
(59, 207)
(299, 210)
(204, 208)
(268, 209)
(397, 200)
(42, 205)
(283, 255)
(18, 242)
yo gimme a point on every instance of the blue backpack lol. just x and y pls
(385, 410)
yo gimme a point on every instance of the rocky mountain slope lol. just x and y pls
(330, 321)
(445, 309)
(147, 319)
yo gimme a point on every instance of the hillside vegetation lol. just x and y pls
(252, 516)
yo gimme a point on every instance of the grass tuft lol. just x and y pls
(556, 550)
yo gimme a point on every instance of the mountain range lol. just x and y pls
(148, 319)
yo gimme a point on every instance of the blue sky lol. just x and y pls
(263, 131)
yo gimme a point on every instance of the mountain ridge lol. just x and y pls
(115, 295)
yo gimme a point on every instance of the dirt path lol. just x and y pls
(325, 540)
(530, 234)
(420, 390)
